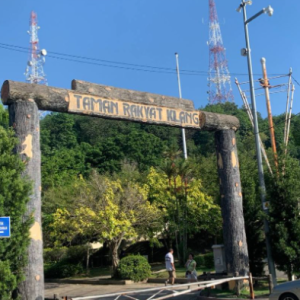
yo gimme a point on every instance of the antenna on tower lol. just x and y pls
(219, 81)
(34, 71)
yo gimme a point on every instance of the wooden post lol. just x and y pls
(24, 118)
(235, 243)
(238, 285)
(252, 296)
(270, 281)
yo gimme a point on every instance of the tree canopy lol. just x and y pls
(106, 210)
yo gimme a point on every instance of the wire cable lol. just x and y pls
(114, 64)
(296, 81)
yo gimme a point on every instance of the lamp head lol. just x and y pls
(269, 10)
(249, 2)
(239, 8)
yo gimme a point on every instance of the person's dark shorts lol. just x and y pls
(172, 274)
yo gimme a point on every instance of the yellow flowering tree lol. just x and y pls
(107, 210)
(186, 208)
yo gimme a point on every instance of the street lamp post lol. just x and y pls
(269, 10)
(180, 96)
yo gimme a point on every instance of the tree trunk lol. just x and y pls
(235, 243)
(114, 256)
(24, 118)
(177, 246)
(88, 254)
(114, 247)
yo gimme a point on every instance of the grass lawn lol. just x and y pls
(95, 272)
(261, 290)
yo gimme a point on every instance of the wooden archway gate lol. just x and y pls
(24, 100)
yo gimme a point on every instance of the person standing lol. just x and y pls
(191, 268)
(170, 266)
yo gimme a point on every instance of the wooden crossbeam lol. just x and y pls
(115, 103)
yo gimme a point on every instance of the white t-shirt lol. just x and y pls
(169, 259)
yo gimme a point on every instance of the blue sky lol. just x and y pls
(149, 33)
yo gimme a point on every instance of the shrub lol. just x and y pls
(53, 255)
(14, 196)
(8, 281)
(63, 269)
(209, 260)
(205, 261)
(134, 267)
(76, 254)
(199, 260)
(73, 254)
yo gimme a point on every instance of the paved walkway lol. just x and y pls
(81, 290)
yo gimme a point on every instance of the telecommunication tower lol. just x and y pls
(34, 71)
(219, 81)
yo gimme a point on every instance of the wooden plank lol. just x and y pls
(212, 122)
(24, 118)
(109, 92)
(116, 109)
(140, 106)
(208, 121)
(46, 97)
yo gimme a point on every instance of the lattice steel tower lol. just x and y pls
(219, 81)
(34, 71)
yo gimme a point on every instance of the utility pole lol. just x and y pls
(266, 85)
(249, 112)
(287, 106)
(289, 118)
(269, 10)
(180, 96)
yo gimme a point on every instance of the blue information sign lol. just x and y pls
(4, 227)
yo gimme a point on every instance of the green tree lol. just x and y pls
(253, 215)
(184, 204)
(107, 210)
(14, 194)
(58, 131)
(60, 166)
(3, 117)
(284, 195)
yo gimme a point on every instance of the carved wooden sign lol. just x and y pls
(118, 109)
(115, 103)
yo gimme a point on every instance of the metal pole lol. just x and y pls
(271, 125)
(258, 150)
(255, 16)
(180, 96)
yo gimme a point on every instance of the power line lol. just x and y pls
(296, 81)
(89, 63)
(114, 64)
(24, 50)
